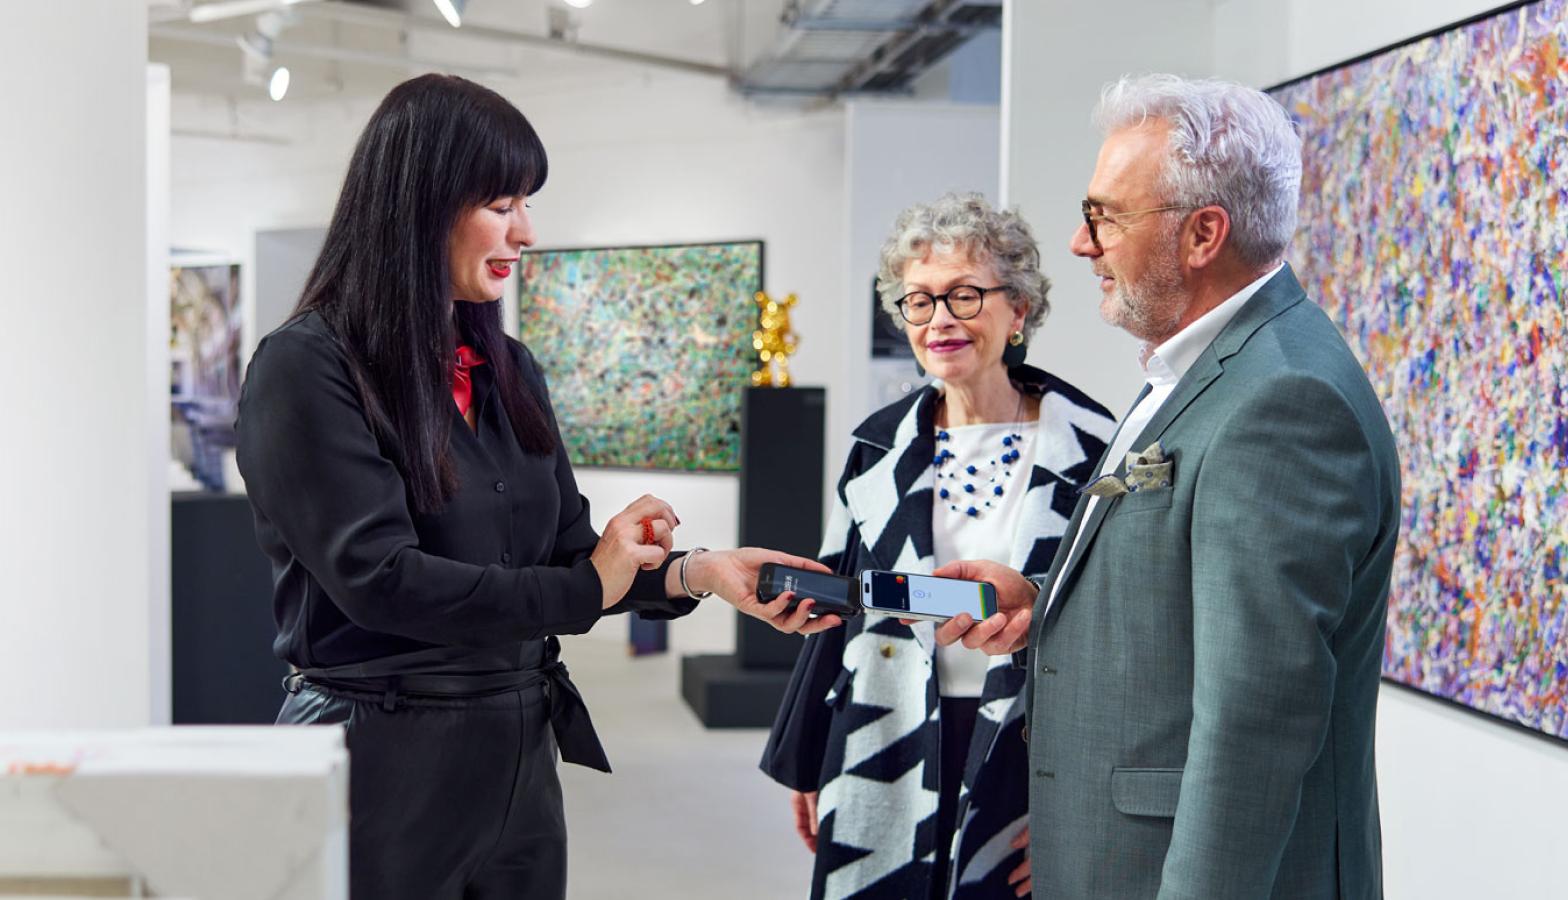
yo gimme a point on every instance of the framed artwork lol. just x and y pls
(647, 349)
(1434, 230)
(205, 328)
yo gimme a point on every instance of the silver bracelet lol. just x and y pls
(685, 587)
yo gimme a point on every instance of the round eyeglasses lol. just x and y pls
(963, 302)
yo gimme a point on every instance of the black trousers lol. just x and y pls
(958, 727)
(449, 798)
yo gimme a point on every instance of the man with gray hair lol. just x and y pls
(1204, 652)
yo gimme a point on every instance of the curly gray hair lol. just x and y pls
(1230, 146)
(967, 224)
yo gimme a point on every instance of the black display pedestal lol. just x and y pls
(780, 509)
(221, 625)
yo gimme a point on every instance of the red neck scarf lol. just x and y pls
(462, 380)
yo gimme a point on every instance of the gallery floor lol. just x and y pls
(686, 814)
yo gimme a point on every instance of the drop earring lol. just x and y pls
(1015, 351)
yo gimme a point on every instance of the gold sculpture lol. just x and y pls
(774, 341)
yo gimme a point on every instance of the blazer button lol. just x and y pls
(1046, 670)
(887, 651)
(506, 557)
(500, 487)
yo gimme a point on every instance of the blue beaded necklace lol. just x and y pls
(964, 484)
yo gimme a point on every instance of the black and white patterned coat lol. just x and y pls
(860, 720)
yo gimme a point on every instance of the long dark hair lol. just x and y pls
(435, 148)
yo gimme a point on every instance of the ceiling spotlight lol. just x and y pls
(256, 46)
(696, 2)
(452, 11)
(278, 85)
(579, 4)
(255, 57)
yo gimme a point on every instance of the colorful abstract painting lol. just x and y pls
(1434, 229)
(205, 325)
(647, 349)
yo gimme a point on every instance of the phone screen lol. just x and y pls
(824, 587)
(892, 592)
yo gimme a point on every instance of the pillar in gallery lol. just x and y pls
(781, 482)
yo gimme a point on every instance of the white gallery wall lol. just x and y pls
(1471, 808)
(897, 154)
(78, 546)
(155, 387)
(1056, 57)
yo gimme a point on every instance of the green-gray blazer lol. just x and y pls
(1204, 687)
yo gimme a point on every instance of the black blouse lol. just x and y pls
(365, 585)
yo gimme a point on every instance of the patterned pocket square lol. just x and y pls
(1151, 455)
(1146, 469)
(1154, 475)
(1106, 486)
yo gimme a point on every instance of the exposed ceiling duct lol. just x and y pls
(830, 48)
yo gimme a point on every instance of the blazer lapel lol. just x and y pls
(890, 502)
(876, 498)
(1066, 557)
(1090, 526)
(1042, 601)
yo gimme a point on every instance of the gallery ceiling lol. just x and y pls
(362, 47)
(813, 49)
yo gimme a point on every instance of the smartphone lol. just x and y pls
(925, 596)
(833, 593)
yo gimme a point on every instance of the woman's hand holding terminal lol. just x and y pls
(733, 574)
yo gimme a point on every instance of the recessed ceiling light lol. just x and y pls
(696, 2)
(579, 4)
(452, 11)
(278, 86)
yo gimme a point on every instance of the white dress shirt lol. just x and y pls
(1164, 367)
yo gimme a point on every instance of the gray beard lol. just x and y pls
(1151, 309)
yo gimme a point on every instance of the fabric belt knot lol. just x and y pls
(574, 731)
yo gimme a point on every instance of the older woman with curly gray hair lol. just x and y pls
(906, 760)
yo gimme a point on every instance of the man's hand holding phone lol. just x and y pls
(1005, 632)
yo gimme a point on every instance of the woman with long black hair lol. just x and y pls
(427, 537)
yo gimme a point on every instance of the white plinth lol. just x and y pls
(200, 813)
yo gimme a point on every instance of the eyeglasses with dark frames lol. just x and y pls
(963, 301)
(1092, 218)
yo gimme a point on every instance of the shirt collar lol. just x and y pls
(1171, 360)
